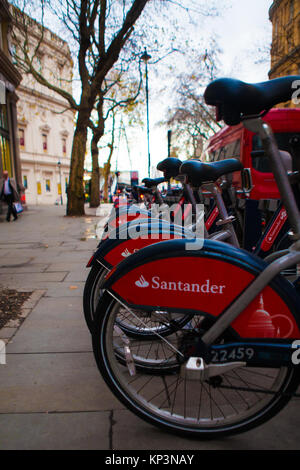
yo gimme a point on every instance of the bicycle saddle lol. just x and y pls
(152, 182)
(199, 172)
(144, 190)
(235, 99)
(170, 167)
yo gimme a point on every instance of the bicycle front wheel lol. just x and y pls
(151, 385)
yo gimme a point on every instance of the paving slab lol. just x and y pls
(55, 431)
(65, 289)
(56, 255)
(281, 433)
(31, 302)
(7, 332)
(72, 265)
(23, 278)
(78, 275)
(54, 325)
(69, 256)
(21, 245)
(14, 260)
(53, 289)
(62, 382)
(30, 268)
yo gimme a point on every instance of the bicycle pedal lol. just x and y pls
(196, 369)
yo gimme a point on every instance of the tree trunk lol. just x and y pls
(75, 205)
(107, 164)
(106, 177)
(95, 180)
(97, 134)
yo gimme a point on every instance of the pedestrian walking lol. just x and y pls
(9, 194)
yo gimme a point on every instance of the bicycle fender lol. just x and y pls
(168, 276)
(114, 249)
(126, 214)
(119, 217)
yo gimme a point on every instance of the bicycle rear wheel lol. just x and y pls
(159, 394)
(137, 324)
(92, 292)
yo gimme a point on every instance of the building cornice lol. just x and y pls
(44, 97)
(46, 42)
(9, 70)
(42, 162)
(273, 8)
(283, 60)
(53, 48)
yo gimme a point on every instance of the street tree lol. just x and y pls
(189, 118)
(101, 33)
(119, 94)
(97, 54)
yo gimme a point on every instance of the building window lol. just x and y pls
(60, 68)
(25, 181)
(48, 187)
(45, 142)
(2, 92)
(13, 53)
(39, 187)
(64, 146)
(5, 140)
(39, 64)
(22, 138)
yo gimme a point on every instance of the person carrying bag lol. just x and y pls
(10, 195)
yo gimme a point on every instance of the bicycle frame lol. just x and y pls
(275, 229)
(228, 233)
(286, 261)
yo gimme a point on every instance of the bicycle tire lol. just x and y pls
(152, 398)
(92, 292)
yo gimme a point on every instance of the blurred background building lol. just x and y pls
(9, 81)
(45, 124)
(285, 51)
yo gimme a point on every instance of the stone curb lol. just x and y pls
(11, 328)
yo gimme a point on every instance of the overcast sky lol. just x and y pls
(242, 28)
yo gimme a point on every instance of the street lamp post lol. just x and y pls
(59, 169)
(146, 57)
(169, 142)
(169, 154)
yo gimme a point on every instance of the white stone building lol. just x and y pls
(45, 124)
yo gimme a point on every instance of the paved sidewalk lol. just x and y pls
(51, 393)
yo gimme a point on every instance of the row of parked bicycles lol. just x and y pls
(190, 331)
